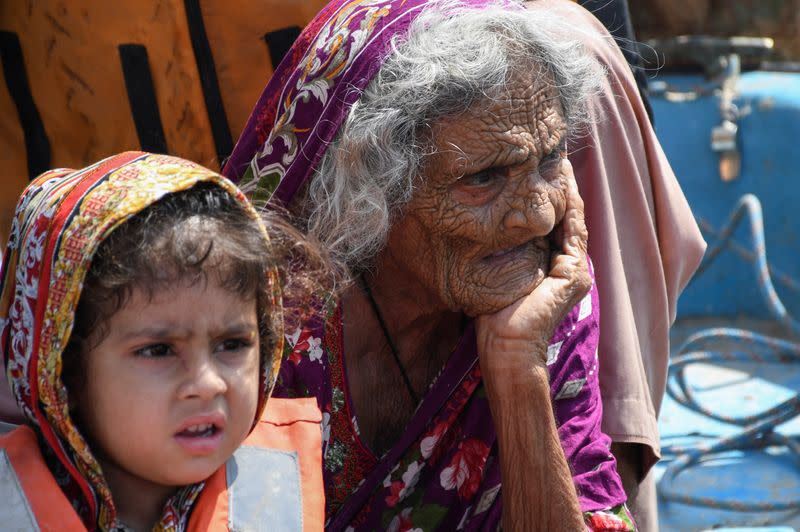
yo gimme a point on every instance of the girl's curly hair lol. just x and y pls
(194, 236)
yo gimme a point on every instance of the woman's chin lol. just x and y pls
(488, 300)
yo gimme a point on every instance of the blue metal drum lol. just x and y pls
(768, 144)
(730, 427)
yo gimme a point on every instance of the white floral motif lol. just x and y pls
(315, 349)
(326, 432)
(339, 45)
(291, 339)
(400, 489)
(453, 476)
(302, 341)
(410, 478)
(388, 480)
(402, 522)
(427, 445)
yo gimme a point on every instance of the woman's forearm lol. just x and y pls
(538, 491)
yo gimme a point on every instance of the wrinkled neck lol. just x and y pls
(416, 319)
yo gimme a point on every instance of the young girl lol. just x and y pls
(141, 329)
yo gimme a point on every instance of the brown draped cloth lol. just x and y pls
(643, 240)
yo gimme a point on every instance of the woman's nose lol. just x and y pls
(529, 206)
(203, 379)
(515, 218)
(526, 211)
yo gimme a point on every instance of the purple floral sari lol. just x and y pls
(443, 473)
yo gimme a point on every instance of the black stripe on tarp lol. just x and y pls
(37, 145)
(208, 79)
(142, 97)
(279, 42)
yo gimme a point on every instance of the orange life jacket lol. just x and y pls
(272, 482)
(28, 490)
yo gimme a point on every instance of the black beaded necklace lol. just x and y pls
(395, 353)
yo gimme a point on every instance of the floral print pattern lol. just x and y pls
(466, 468)
(445, 471)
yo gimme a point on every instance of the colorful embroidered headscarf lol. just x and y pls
(312, 90)
(61, 219)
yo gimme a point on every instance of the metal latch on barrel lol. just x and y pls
(723, 141)
(723, 136)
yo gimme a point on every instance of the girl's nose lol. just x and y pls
(203, 380)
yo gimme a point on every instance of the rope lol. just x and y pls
(731, 345)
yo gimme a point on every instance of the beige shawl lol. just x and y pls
(643, 239)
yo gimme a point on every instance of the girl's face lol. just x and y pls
(172, 390)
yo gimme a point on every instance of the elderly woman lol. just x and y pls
(425, 143)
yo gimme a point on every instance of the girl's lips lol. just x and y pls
(201, 435)
(203, 444)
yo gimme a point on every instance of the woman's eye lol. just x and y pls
(550, 165)
(482, 178)
(154, 351)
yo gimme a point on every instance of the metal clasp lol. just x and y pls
(723, 136)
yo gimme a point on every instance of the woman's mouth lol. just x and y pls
(539, 243)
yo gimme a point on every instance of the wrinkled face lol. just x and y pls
(477, 231)
(172, 390)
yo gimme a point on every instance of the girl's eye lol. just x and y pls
(233, 344)
(154, 351)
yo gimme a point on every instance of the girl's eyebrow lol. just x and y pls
(173, 331)
(240, 328)
(159, 332)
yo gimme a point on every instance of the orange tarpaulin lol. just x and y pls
(105, 77)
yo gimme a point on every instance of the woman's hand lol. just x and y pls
(516, 337)
(538, 491)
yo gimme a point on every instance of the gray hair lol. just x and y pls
(445, 63)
